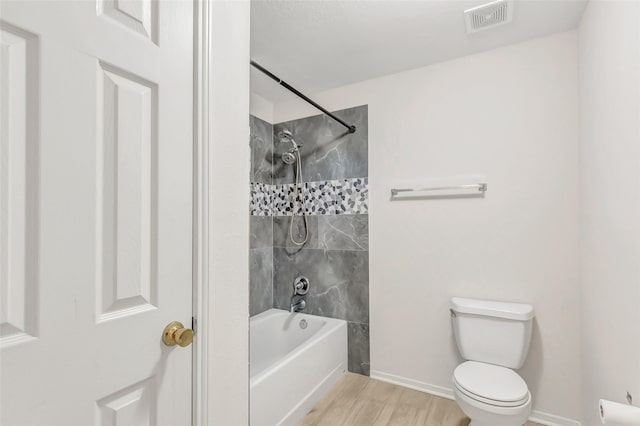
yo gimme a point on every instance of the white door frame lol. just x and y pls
(221, 265)
(201, 70)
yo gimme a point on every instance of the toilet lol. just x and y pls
(493, 338)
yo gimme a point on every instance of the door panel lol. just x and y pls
(134, 405)
(18, 185)
(127, 175)
(96, 210)
(139, 16)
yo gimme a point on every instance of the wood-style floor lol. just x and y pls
(361, 401)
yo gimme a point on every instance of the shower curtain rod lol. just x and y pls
(350, 127)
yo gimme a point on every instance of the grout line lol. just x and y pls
(321, 249)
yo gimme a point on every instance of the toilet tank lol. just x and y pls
(492, 332)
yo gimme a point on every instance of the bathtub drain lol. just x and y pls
(303, 324)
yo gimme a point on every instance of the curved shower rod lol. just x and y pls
(350, 127)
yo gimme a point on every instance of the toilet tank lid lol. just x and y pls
(513, 311)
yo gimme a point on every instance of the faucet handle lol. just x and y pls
(301, 286)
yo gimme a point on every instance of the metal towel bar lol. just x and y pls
(482, 187)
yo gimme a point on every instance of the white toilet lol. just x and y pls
(494, 338)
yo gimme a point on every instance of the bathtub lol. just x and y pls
(295, 359)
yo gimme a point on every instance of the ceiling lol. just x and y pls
(318, 45)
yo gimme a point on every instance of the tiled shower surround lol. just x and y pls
(335, 257)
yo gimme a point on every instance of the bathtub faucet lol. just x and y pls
(298, 305)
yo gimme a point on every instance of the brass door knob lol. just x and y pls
(176, 334)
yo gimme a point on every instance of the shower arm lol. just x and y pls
(350, 127)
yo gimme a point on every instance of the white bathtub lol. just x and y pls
(293, 368)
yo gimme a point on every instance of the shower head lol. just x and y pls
(287, 136)
(288, 157)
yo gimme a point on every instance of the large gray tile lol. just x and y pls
(281, 236)
(339, 281)
(260, 280)
(343, 232)
(358, 344)
(261, 150)
(261, 232)
(328, 151)
(341, 155)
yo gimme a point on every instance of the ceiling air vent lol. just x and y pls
(488, 15)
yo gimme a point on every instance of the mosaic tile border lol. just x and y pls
(261, 199)
(331, 197)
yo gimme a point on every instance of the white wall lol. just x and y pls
(261, 108)
(609, 50)
(510, 114)
(228, 349)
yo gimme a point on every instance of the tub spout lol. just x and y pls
(298, 305)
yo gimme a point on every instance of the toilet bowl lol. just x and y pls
(494, 338)
(491, 395)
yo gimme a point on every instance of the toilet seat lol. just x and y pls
(491, 384)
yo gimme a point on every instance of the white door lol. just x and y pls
(95, 211)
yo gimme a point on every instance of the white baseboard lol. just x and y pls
(552, 420)
(536, 416)
(413, 384)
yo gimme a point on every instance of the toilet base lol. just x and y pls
(489, 415)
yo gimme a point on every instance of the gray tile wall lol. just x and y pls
(339, 281)
(261, 227)
(336, 255)
(261, 150)
(328, 151)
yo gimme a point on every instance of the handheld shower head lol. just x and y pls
(292, 156)
(288, 157)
